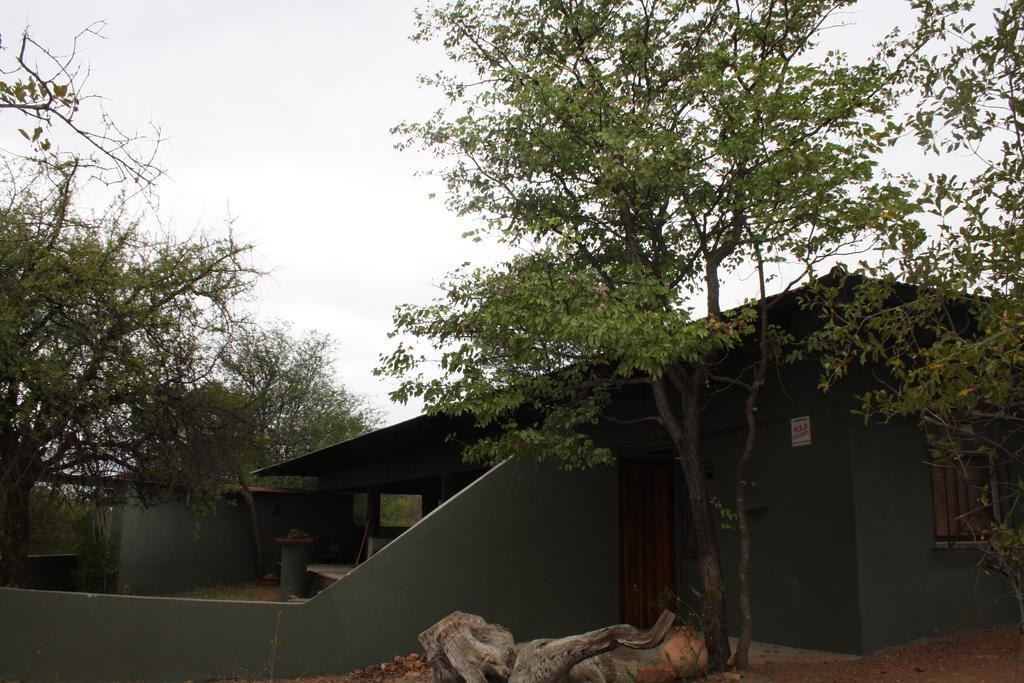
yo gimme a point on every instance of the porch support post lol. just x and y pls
(373, 511)
(430, 496)
(449, 486)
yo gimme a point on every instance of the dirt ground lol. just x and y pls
(986, 656)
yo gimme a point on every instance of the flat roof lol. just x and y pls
(408, 436)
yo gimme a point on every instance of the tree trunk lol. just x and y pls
(1020, 624)
(685, 438)
(254, 523)
(750, 413)
(14, 535)
(746, 611)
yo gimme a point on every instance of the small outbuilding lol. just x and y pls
(859, 541)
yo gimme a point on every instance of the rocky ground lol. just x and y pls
(986, 656)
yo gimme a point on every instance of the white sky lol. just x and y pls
(279, 115)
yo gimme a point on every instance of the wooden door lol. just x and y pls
(647, 566)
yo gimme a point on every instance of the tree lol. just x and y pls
(638, 154)
(108, 335)
(953, 347)
(295, 403)
(46, 90)
(290, 400)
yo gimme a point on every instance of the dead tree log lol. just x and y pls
(464, 647)
(681, 655)
(550, 661)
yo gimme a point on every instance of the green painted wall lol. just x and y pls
(166, 548)
(843, 555)
(910, 589)
(804, 565)
(49, 636)
(548, 538)
(804, 558)
(526, 546)
(805, 584)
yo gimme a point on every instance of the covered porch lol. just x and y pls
(377, 472)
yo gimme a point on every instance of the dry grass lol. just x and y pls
(253, 591)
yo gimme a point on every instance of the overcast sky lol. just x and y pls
(278, 114)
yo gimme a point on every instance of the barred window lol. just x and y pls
(963, 500)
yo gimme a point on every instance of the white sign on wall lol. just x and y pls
(800, 430)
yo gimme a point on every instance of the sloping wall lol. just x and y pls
(526, 546)
(482, 551)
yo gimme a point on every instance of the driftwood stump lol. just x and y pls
(464, 647)
(681, 655)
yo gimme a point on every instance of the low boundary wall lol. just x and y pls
(526, 546)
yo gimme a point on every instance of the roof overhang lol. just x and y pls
(403, 438)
